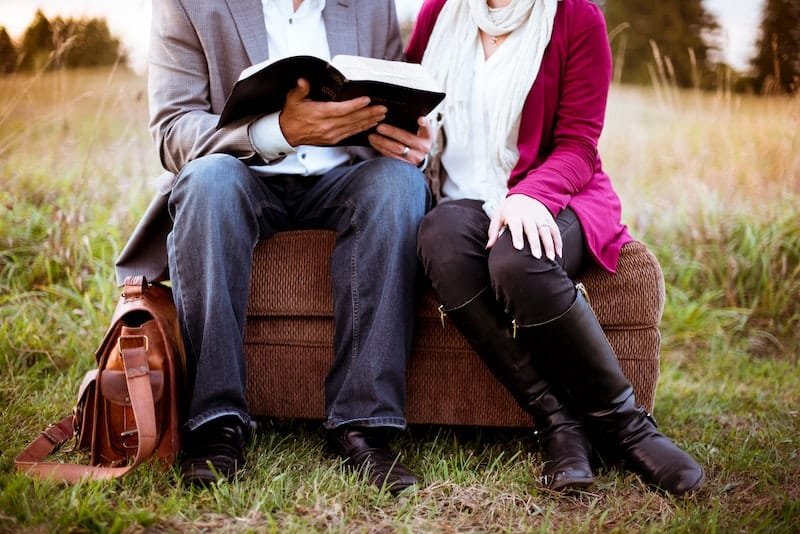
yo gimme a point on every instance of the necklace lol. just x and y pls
(495, 40)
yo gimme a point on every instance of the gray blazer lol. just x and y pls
(197, 50)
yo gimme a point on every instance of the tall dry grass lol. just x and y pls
(712, 182)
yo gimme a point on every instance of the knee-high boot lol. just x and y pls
(566, 447)
(588, 369)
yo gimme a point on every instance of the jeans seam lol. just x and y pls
(354, 293)
(354, 289)
(179, 275)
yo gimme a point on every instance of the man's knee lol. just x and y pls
(213, 184)
(212, 176)
(397, 184)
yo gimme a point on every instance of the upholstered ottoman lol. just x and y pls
(289, 332)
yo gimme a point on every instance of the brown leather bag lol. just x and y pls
(130, 407)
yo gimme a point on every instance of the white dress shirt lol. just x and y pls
(292, 33)
(469, 168)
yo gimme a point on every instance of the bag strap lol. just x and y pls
(133, 350)
(134, 287)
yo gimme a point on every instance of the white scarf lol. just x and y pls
(450, 54)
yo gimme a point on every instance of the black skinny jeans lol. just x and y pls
(452, 248)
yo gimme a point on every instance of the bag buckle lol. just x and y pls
(129, 444)
(54, 439)
(120, 339)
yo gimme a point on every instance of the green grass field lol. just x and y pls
(710, 181)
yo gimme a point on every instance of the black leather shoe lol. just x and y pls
(213, 452)
(366, 449)
(650, 453)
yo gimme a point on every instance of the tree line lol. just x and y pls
(60, 43)
(679, 42)
(670, 41)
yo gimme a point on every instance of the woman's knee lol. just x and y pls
(451, 251)
(519, 277)
(438, 238)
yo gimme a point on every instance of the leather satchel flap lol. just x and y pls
(114, 388)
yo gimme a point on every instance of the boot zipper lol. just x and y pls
(582, 288)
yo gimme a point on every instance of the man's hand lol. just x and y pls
(397, 143)
(307, 122)
(523, 214)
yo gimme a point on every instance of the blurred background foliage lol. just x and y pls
(679, 42)
(60, 43)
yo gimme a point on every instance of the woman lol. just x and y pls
(525, 207)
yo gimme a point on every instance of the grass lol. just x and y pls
(709, 181)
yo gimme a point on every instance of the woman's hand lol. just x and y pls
(521, 213)
(397, 143)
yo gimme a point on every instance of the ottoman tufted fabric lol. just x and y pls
(289, 333)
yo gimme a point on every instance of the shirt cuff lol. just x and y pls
(267, 138)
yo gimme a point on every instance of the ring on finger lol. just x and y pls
(405, 151)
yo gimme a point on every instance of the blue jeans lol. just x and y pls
(221, 209)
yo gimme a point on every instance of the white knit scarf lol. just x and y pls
(450, 54)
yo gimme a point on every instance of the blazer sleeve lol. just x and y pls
(182, 122)
(579, 118)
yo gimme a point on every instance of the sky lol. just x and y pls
(129, 19)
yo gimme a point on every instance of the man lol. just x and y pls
(229, 188)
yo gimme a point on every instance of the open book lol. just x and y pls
(406, 89)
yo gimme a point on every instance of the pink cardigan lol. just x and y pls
(561, 122)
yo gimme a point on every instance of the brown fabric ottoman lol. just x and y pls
(289, 332)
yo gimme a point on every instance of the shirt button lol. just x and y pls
(303, 155)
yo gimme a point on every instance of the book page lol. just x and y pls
(252, 69)
(395, 72)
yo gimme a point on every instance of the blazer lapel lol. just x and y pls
(248, 15)
(340, 24)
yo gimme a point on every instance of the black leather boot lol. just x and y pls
(588, 368)
(566, 448)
